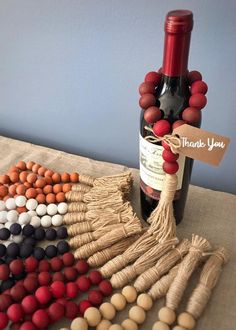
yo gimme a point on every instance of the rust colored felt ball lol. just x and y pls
(31, 284)
(29, 304)
(50, 198)
(194, 76)
(31, 178)
(147, 100)
(198, 101)
(161, 128)
(199, 87)
(95, 277)
(83, 283)
(83, 305)
(47, 189)
(169, 156)
(41, 198)
(12, 189)
(66, 187)
(170, 168)
(3, 320)
(147, 88)
(74, 177)
(58, 289)
(69, 259)
(43, 295)
(35, 168)
(40, 183)
(27, 325)
(14, 177)
(18, 292)
(56, 311)
(41, 319)
(95, 297)
(21, 189)
(23, 176)
(44, 266)
(21, 165)
(58, 276)
(60, 197)
(4, 272)
(192, 116)
(4, 179)
(178, 123)
(152, 114)
(15, 312)
(57, 188)
(42, 170)
(71, 290)
(105, 287)
(31, 264)
(82, 266)
(44, 278)
(70, 273)
(30, 193)
(5, 302)
(56, 178)
(16, 266)
(153, 77)
(3, 191)
(56, 264)
(71, 310)
(65, 177)
(29, 165)
(49, 173)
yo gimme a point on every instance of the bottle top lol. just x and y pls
(179, 21)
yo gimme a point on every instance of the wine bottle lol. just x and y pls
(172, 96)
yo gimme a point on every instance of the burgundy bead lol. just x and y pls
(169, 156)
(165, 145)
(147, 88)
(147, 100)
(191, 115)
(161, 128)
(152, 114)
(170, 168)
(178, 123)
(5, 302)
(199, 86)
(198, 101)
(18, 292)
(193, 76)
(153, 77)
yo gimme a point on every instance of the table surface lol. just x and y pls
(209, 213)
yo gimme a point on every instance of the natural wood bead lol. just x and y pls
(167, 315)
(186, 320)
(159, 325)
(118, 301)
(93, 316)
(107, 310)
(137, 314)
(145, 301)
(129, 325)
(130, 293)
(116, 327)
(103, 325)
(79, 323)
(178, 327)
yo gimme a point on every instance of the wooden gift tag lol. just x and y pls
(201, 145)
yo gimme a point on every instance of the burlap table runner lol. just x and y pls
(208, 213)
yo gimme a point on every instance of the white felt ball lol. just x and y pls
(35, 221)
(8, 224)
(51, 209)
(103, 325)
(137, 314)
(31, 204)
(107, 310)
(130, 293)
(20, 201)
(17, 238)
(118, 301)
(24, 218)
(3, 216)
(10, 204)
(145, 301)
(93, 316)
(46, 221)
(57, 220)
(32, 214)
(12, 216)
(41, 209)
(2, 206)
(129, 324)
(79, 323)
(62, 208)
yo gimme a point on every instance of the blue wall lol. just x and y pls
(69, 72)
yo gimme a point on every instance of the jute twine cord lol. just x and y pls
(74, 217)
(77, 207)
(80, 188)
(208, 279)
(101, 257)
(147, 260)
(141, 245)
(160, 288)
(122, 181)
(198, 246)
(94, 194)
(123, 230)
(86, 180)
(163, 265)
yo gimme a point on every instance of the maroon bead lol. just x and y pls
(31, 264)
(199, 86)
(161, 128)
(56, 311)
(83, 283)
(28, 326)
(72, 310)
(5, 302)
(95, 277)
(178, 123)
(82, 266)
(147, 88)
(95, 297)
(192, 116)
(44, 278)
(169, 156)
(29, 304)
(198, 101)
(153, 77)
(105, 287)
(193, 76)
(16, 267)
(41, 319)
(152, 114)
(68, 259)
(71, 290)
(4, 272)
(3, 320)
(70, 273)
(165, 145)
(147, 100)
(18, 292)
(15, 312)
(56, 264)
(170, 168)
(83, 305)
(58, 276)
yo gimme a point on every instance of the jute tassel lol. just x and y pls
(141, 245)
(163, 265)
(80, 188)
(94, 194)
(74, 217)
(198, 246)
(208, 279)
(122, 230)
(160, 288)
(101, 257)
(144, 262)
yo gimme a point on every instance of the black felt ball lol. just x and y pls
(26, 250)
(4, 234)
(30, 240)
(39, 234)
(62, 233)
(13, 250)
(63, 247)
(15, 229)
(3, 250)
(39, 253)
(28, 230)
(51, 234)
(51, 251)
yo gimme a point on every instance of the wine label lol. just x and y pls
(151, 172)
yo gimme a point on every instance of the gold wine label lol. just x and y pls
(201, 145)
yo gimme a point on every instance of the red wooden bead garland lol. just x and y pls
(152, 114)
(83, 305)
(198, 101)
(169, 156)
(147, 100)
(170, 168)
(56, 311)
(161, 127)
(29, 304)
(41, 319)
(153, 77)
(199, 86)
(193, 76)
(147, 87)
(192, 116)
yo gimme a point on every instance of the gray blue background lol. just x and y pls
(70, 69)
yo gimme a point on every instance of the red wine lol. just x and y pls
(172, 95)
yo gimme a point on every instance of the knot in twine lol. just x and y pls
(173, 141)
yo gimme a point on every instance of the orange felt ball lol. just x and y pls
(56, 178)
(57, 188)
(12, 190)
(48, 173)
(27, 184)
(29, 165)
(4, 179)
(60, 197)
(21, 165)
(40, 183)
(74, 177)
(23, 176)
(65, 177)
(31, 193)
(21, 209)
(14, 177)
(31, 178)
(66, 187)
(51, 198)
(42, 170)
(41, 198)
(35, 168)
(48, 180)
(21, 189)
(3, 191)
(47, 189)
(13, 169)
(39, 190)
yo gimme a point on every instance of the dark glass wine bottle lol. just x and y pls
(172, 95)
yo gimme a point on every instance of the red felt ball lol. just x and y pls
(169, 156)
(193, 76)
(71, 290)
(15, 312)
(106, 288)
(58, 276)
(198, 101)
(56, 311)
(5, 302)
(192, 116)
(44, 278)
(95, 277)
(83, 305)
(70, 273)
(147, 100)
(147, 87)
(4, 272)
(29, 304)
(56, 264)
(31, 284)
(199, 86)
(34, 275)
(83, 283)
(153, 77)
(68, 259)
(28, 326)
(71, 310)
(16, 266)
(58, 289)
(18, 292)
(165, 145)
(178, 123)
(43, 295)
(95, 297)
(161, 127)
(170, 168)
(31, 264)
(44, 266)
(41, 319)
(82, 266)
(152, 114)
(3, 320)
(62, 301)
